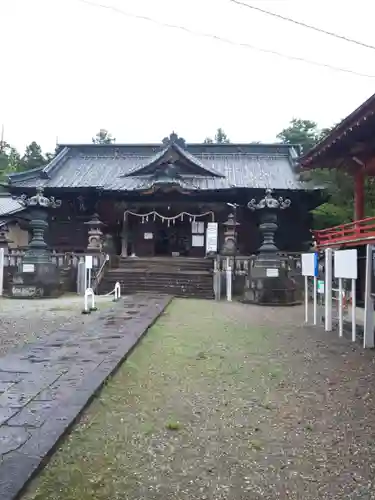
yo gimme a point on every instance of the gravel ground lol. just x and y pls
(27, 320)
(226, 401)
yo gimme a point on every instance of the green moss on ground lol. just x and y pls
(181, 418)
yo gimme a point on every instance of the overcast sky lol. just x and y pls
(69, 69)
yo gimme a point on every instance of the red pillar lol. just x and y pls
(359, 195)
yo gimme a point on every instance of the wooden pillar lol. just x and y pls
(359, 194)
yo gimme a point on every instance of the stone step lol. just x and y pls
(176, 263)
(180, 285)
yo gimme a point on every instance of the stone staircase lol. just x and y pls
(178, 276)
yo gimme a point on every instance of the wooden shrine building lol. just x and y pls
(349, 147)
(155, 200)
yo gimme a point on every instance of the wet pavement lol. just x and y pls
(46, 384)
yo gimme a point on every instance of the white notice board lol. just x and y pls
(309, 262)
(197, 240)
(88, 261)
(345, 264)
(211, 237)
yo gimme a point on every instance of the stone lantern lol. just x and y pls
(39, 276)
(230, 236)
(268, 208)
(37, 251)
(268, 282)
(95, 234)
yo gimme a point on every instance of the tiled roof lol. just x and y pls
(108, 167)
(8, 205)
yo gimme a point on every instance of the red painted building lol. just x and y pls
(351, 147)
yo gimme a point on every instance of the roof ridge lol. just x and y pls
(55, 163)
(158, 156)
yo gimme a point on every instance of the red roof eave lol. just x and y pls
(345, 127)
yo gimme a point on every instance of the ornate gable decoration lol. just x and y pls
(173, 157)
(174, 139)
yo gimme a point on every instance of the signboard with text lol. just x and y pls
(211, 237)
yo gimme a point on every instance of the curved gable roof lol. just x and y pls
(120, 167)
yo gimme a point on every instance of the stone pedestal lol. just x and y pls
(35, 281)
(270, 282)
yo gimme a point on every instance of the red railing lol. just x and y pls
(358, 232)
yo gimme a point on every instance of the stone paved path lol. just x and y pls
(46, 384)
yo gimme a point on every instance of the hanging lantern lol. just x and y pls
(154, 216)
(182, 216)
(147, 218)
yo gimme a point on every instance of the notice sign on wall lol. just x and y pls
(211, 237)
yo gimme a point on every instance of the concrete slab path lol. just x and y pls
(45, 385)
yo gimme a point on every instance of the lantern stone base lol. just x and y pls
(36, 281)
(270, 284)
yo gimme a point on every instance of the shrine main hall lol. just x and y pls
(150, 200)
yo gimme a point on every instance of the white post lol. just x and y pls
(368, 333)
(85, 278)
(117, 291)
(89, 293)
(328, 291)
(315, 305)
(89, 277)
(229, 284)
(306, 299)
(215, 280)
(218, 282)
(341, 319)
(1, 270)
(354, 325)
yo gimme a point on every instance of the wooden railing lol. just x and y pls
(358, 232)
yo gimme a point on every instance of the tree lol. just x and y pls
(50, 156)
(339, 185)
(220, 138)
(304, 133)
(33, 157)
(9, 159)
(103, 137)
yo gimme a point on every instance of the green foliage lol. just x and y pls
(33, 157)
(338, 184)
(11, 161)
(304, 133)
(103, 137)
(220, 138)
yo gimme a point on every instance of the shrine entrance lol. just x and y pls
(152, 234)
(173, 240)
